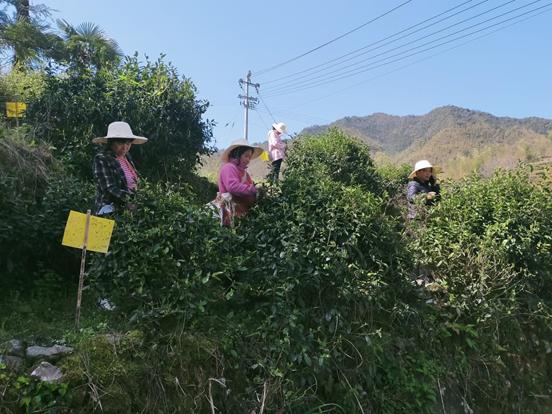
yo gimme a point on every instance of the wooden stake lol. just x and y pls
(82, 266)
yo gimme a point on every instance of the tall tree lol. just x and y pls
(87, 46)
(22, 8)
(25, 36)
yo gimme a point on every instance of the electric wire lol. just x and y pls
(310, 79)
(266, 106)
(262, 119)
(355, 85)
(384, 39)
(263, 71)
(374, 65)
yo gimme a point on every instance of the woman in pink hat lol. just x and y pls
(276, 148)
(237, 191)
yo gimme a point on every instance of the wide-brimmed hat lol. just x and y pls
(280, 127)
(240, 143)
(420, 165)
(119, 130)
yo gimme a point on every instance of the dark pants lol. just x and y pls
(275, 175)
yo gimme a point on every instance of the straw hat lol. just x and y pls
(420, 165)
(120, 130)
(240, 143)
(280, 127)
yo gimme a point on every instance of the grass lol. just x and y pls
(46, 318)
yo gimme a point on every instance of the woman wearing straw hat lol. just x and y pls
(276, 148)
(237, 191)
(115, 173)
(422, 186)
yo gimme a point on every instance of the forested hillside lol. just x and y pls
(461, 140)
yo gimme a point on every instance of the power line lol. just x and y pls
(263, 71)
(266, 106)
(374, 65)
(355, 85)
(265, 124)
(384, 39)
(298, 83)
(302, 117)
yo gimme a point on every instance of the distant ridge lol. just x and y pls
(460, 139)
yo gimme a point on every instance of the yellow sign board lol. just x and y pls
(15, 109)
(99, 232)
(264, 156)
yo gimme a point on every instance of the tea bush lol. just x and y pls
(394, 178)
(334, 155)
(489, 242)
(307, 288)
(169, 259)
(327, 288)
(307, 304)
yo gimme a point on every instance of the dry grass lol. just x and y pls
(27, 163)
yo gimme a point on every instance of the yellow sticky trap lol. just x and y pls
(99, 232)
(15, 109)
(264, 156)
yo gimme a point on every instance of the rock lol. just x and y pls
(51, 352)
(15, 347)
(114, 338)
(13, 363)
(47, 372)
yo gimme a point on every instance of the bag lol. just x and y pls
(223, 208)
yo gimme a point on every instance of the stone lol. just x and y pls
(14, 364)
(47, 372)
(50, 353)
(15, 347)
(114, 338)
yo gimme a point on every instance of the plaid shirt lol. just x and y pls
(111, 184)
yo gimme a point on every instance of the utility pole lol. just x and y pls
(248, 101)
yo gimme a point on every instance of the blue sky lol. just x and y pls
(507, 73)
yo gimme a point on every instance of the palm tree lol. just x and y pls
(87, 46)
(25, 36)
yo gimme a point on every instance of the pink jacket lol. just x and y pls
(235, 180)
(276, 147)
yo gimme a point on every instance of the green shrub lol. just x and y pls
(24, 394)
(325, 294)
(335, 155)
(304, 290)
(490, 244)
(32, 220)
(394, 178)
(507, 217)
(308, 299)
(20, 85)
(151, 97)
(169, 259)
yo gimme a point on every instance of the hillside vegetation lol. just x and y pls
(307, 305)
(461, 140)
(312, 303)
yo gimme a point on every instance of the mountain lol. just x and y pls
(459, 139)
